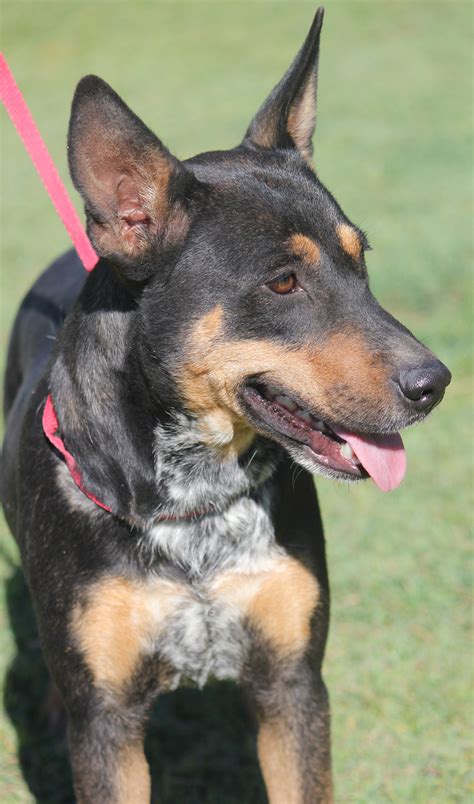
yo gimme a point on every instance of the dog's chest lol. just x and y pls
(236, 587)
(191, 607)
(227, 559)
(204, 637)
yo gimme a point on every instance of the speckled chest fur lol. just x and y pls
(192, 610)
(204, 634)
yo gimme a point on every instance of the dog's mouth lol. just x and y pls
(322, 447)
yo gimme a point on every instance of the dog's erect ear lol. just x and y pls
(136, 193)
(287, 118)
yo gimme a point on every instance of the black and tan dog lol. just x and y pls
(155, 411)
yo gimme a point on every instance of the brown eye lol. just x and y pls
(286, 284)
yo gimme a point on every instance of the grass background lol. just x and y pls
(395, 118)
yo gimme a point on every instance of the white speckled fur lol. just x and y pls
(203, 639)
(204, 635)
(240, 538)
(192, 476)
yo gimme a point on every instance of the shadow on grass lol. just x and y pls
(200, 744)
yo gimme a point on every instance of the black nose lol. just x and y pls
(425, 386)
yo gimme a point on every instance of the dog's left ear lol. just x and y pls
(137, 195)
(287, 118)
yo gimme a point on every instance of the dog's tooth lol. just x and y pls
(347, 452)
(305, 415)
(286, 402)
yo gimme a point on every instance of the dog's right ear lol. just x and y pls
(136, 194)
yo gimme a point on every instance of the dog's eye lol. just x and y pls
(284, 284)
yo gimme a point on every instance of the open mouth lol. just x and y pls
(337, 452)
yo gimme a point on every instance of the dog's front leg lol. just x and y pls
(293, 738)
(107, 756)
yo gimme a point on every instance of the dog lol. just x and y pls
(156, 411)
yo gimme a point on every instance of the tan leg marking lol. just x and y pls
(279, 763)
(279, 601)
(349, 240)
(304, 247)
(133, 777)
(115, 626)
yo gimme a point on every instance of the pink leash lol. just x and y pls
(20, 115)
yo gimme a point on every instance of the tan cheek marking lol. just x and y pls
(279, 763)
(304, 248)
(207, 396)
(346, 360)
(217, 367)
(133, 777)
(119, 618)
(349, 240)
(279, 601)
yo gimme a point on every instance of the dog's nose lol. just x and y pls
(424, 386)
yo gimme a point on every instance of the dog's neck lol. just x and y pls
(139, 459)
(192, 476)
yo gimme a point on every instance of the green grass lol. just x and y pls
(393, 145)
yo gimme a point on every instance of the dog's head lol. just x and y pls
(253, 290)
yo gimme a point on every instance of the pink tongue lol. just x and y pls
(382, 456)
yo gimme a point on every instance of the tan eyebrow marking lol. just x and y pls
(349, 240)
(304, 248)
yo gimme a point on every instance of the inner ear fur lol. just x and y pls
(287, 117)
(135, 191)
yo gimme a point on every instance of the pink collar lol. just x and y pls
(51, 430)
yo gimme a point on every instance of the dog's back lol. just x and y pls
(31, 345)
(38, 322)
